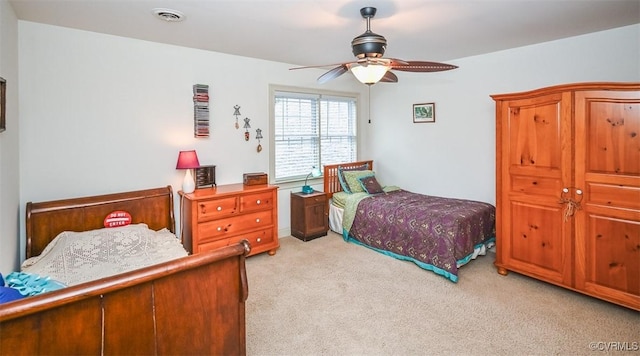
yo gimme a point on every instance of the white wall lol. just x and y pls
(102, 114)
(455, 156)
(9, 154)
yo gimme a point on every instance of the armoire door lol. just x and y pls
(607, 243)
(534, 165)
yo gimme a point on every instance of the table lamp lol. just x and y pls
(315, 172)
(188, 160)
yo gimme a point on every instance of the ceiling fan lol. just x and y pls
(369, 67)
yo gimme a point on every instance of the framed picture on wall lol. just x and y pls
(424, 112)
(3, 104)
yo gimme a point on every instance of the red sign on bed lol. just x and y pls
(117, 218)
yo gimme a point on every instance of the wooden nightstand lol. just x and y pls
(309, 215)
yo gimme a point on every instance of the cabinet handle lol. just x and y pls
(258, 202)
(571, 204)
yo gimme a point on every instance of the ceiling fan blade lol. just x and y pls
(397, 62)
(420, 66)
(332, 74)
(389, 78)
(318, 66)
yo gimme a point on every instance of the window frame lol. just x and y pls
(273, 89)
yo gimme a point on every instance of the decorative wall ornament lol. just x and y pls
(246, 127)
(200, 110)
(259, 137)
(236, 113)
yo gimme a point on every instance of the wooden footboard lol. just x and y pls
(331, 180)
(192, 305)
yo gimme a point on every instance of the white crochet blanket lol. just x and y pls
(77, 257)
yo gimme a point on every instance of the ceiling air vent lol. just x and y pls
(168, 15)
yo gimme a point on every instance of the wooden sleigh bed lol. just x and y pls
(189, 305)
(438, 234)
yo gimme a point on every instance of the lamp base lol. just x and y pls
(188, 184)
(307, 189)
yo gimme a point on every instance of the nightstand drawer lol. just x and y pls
(216, 208)
(317, 199)
(258, 201)
(225, 227)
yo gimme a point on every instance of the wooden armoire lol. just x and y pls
(568, 187)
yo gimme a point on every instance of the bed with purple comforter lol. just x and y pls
(438, 234)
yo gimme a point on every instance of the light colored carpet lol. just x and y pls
(329, 297)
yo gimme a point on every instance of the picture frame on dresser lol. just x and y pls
(425, 112)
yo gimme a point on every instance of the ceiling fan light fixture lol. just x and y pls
(369, 74)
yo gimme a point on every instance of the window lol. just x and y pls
(311, 128)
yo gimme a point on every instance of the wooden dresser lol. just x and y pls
(568, 187)
(226, 214)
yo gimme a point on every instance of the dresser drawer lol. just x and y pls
(216, 208)
(257, 241)
(226, 227)
(257, 201)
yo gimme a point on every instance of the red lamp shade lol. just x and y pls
(187, 160)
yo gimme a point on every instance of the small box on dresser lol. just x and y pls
(309, 215)
(226, 214)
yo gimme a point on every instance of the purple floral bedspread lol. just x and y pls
(433, 232)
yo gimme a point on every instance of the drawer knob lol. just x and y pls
(258, 202)
(219, 208)
(258, 239)
(257, 220)
(219, 228)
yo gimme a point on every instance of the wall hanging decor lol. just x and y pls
(259, 137)
(200, 110)
(236, 113)
(3, 104)
(424, 112)
(246, 127)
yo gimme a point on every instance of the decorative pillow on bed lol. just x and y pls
(343, 181)
(370, 184)
(353, 179)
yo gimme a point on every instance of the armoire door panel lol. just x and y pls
(534, 240)
(611, 257)
(548, 187)
(609, 195)
(534, 134)
(613, 130)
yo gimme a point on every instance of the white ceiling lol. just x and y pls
(315, 32)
